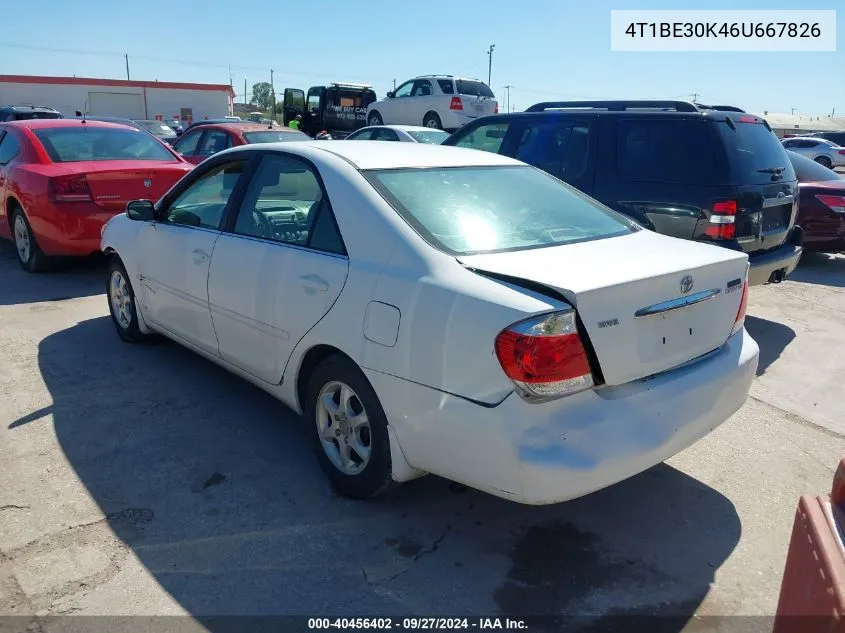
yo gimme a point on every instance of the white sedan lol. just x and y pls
(434, 309)
(400, 133)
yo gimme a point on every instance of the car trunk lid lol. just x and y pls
(114, 183)
(648, 302)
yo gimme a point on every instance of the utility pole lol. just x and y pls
(245, 94)
(508, 101)
(272, 95)
(490, 63)
(394, 85)
(126, 56)
(793, 110)
(230, 76)
(694, 96)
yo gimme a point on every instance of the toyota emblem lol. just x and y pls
(686, 284)
(148, 183)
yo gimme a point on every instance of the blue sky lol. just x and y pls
(544, 48)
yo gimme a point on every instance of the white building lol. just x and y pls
(797, 124)
(119, 98)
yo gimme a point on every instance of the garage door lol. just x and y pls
(128, 106)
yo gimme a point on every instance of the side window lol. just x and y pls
(9, 148)
(446, 86)
(662, 150)
(313, 100)
(282, 202)
(404, 90)
(557, 147)
(422, 88)
(385, 134)
(366, 135)
(204, 201)
(485, 137)
(187, 145)
(215, 141)
(789, 144)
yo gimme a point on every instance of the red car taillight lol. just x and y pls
(73, 188)
(834, 203)
(544, 355)
(739, 322)
(842, 152)
(456, 104)
(496, 109)
(722, 221)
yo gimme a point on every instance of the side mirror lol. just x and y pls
(142, 210)
(391, 94)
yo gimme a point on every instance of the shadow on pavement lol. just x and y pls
(213, 486)
(825, 269)
(771, 336)
(78, 277)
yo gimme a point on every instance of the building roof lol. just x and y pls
(126, 83)
(805, 122)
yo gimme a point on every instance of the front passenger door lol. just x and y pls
(176, 253)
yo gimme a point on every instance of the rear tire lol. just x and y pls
(824, 161)
(30, 256)
(432, 120)
(348, 429)
(374, 119)
(122, 308)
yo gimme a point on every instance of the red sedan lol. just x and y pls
(821, 205)
(203, 141)
(61, 180)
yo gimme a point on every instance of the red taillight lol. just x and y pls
(842, 152)
(545, 356)
(73, 188)
(722, 221)
(739, 322)
(496, 109)
(748, 119)
(834, 203)
(456, 104)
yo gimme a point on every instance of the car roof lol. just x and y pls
(249, 126)
(381, 155)
(39, 124)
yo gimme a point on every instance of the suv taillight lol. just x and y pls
(72, 188)
(722, 221)
(544, 356)
(456, 104)
(496, 109)
(739, 322)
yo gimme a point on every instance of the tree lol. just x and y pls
(262, 95)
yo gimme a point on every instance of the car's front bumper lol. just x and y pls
(570, 447)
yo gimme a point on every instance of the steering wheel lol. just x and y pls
(265, 229)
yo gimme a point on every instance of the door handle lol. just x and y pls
(200, 256)
(313, 282)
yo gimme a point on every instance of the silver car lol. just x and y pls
(821, 150)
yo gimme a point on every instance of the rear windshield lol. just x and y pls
(753, 152)
(434, 136)
(68, 145)
(24, 116)
(809, 170)
(473, 88)
(156, 127)
(470, 210)
(271, 136)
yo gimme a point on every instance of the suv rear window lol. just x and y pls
(753, 151)
(662, 150)
(470, 210)
(473, 88)
(25, 116)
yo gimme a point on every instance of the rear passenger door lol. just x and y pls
(277, 269)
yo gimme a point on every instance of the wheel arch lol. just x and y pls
(310, 360)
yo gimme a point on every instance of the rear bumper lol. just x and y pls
(70, 229)
(456, 119)
(774, 265)
(564, 449)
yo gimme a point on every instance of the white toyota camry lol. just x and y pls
(441, 310)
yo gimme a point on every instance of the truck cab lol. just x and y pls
(339, 108)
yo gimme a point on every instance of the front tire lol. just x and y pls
(30, 256)
(432, 120)
(349, 429)
(122, 306)
(374, 119)
(824, 161)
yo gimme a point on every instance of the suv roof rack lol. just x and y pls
(720, 108)
(618, 105)
(347, 84)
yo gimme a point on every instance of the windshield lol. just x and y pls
(157, 128)
(809, 170)
(273, 136)
(473, 88)
(73, 144)
(753, 153)
(429, 136)
(469, 210)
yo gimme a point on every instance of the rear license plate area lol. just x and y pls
(776, 217)
(669, 335)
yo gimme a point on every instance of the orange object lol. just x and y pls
(812, 596)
